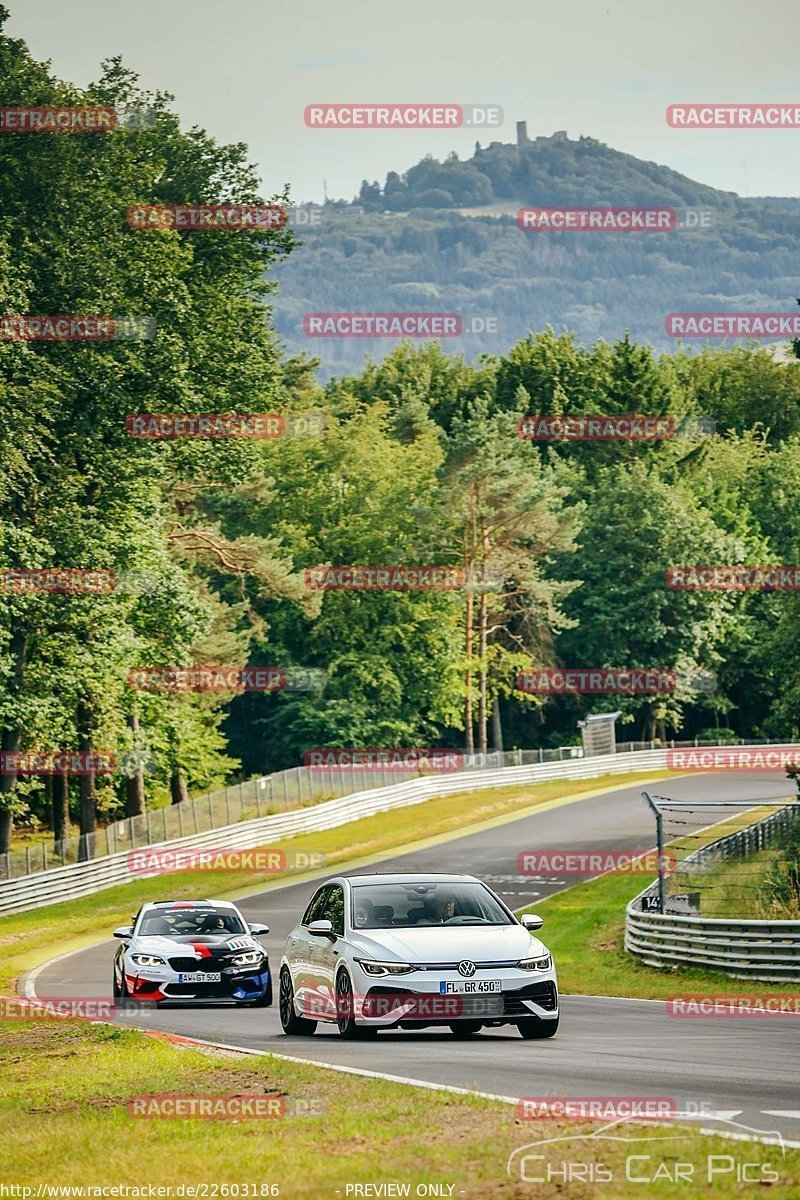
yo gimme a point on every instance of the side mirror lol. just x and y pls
(124, 931)
(531, 921)
(258, 929)
(322, 928)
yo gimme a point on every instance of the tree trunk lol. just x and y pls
(86, 779)
(10, 739)
(60, 808)
(178, 788)
(497, 725)
(9, 743)
(134, 784)
(483, 621)
(469, 734)
(6, 829)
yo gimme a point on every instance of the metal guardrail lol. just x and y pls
(742, 948)
(85, 878)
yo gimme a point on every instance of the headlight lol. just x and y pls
(147, 960)
(371, 967)
(535, 964)
(245, 960)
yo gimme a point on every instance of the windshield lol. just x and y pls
(190, 922)
(402, 905)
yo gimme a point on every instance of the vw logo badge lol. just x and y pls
(466, 968)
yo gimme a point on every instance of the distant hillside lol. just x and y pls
(549, 171)
(444, 237)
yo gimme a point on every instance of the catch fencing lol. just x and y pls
(758, 947)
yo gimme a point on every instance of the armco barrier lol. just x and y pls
(84, 878)
(765, 950)
(768, 951)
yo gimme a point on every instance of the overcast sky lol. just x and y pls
(245, 70)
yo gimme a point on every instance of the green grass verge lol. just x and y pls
(29, 938)
(66, 1122)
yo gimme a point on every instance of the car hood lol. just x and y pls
(437, 943)
(201, 946)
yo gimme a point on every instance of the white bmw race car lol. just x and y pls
(385, 951)
(191, 951)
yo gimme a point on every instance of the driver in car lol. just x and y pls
(444, 907)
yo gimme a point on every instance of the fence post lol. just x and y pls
(27, 860)
(662, 887)
(44, 856)
(149, 826)
(166, 830)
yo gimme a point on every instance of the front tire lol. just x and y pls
(290, 1022)
(345, 1021)
(535, 1027)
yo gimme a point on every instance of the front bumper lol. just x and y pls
(153, 986)
(413, 1002)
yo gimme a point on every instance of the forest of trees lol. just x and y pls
(566, 546)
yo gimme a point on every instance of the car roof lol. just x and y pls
(409, 877)
(189, 904)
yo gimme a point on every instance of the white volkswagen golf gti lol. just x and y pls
(386, 951)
